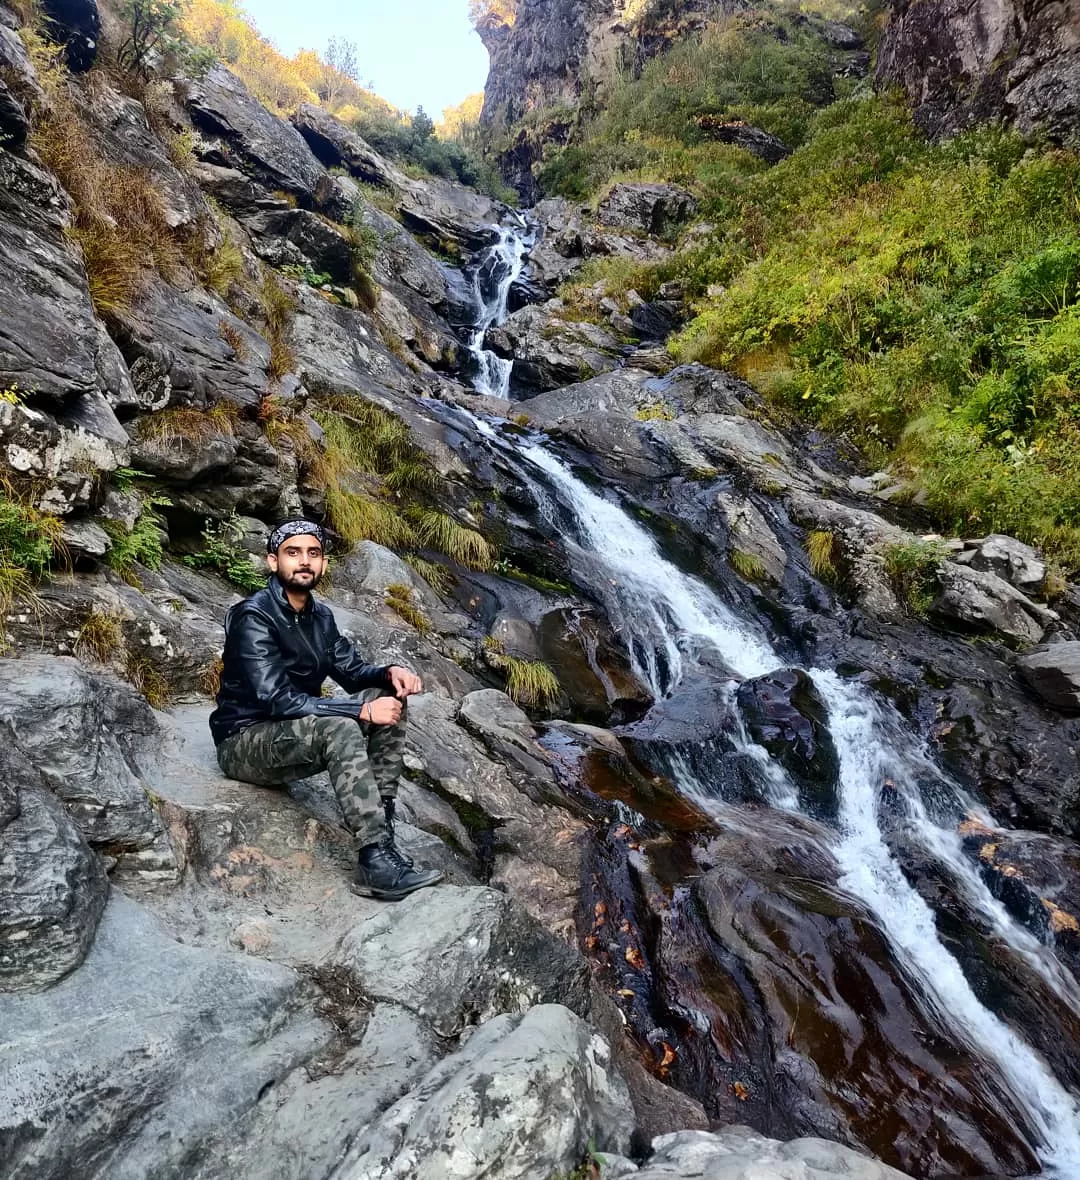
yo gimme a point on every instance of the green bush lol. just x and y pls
(224, 553)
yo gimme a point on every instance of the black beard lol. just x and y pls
(297, 586)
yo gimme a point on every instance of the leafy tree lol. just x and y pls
(151, 25)
(423, 127)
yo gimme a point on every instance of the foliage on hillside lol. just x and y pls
(923, 299)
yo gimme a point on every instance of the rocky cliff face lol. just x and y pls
(965, 61)
(553, 49)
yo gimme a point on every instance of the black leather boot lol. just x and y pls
(390, 811)
(383, 874)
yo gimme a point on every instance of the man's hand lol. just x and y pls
(406, 683)
(381, 711)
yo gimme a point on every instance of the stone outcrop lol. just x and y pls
(965, 61)
(1054, 673)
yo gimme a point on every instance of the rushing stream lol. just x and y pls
(670, 621)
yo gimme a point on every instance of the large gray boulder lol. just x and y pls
(738, 1153)
(122, 1068)
(569, 235)
(1054, 673)
(983, 601)
(238, 128)
(459, 956)
(522, 1100)
(549, 351)
(67, 722)
(657, 209)
(1009, 558)
(52, 887)
(178, 347)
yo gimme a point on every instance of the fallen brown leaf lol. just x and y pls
(741, 1092)
(633, 957)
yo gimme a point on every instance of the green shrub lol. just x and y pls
(143, 544)
(223, 552)
(913, 569)
(29, 543)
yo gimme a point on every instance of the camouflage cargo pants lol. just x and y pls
(363, 760)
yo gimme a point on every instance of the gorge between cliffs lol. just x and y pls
(756, 795)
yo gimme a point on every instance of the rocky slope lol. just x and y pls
(187, 989)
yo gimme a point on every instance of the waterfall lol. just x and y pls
(496, 269)
(667, 621)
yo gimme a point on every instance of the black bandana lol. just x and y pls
(294, 528)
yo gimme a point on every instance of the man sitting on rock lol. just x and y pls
(272, 725)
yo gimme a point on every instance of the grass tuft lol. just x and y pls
(399, 598)
(823, 549)
(147, 679)
(747, 565)
(436, 530)
(100, 638)
(437, 576)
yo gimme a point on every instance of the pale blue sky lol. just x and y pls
(416, 52)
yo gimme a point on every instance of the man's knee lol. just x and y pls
(335, 732)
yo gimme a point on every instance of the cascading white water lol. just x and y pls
(668, 619)
(496, 269)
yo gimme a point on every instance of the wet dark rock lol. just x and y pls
(785, 714)
(1054, 673)
(76, 25)
(655, 209)
(14, 123)
(776, 925)
(1037, 878)
(593, 668)
(52, 887)
(754, 140)
(1012, 983)
(657, 320)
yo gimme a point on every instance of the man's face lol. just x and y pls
(299, 563)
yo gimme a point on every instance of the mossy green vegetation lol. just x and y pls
(223, 552)
(399, 598)
(143, 544)
(921, 299)
(913, 569)
(381, 487)
(29, 543)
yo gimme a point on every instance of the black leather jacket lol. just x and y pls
(276, 660)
